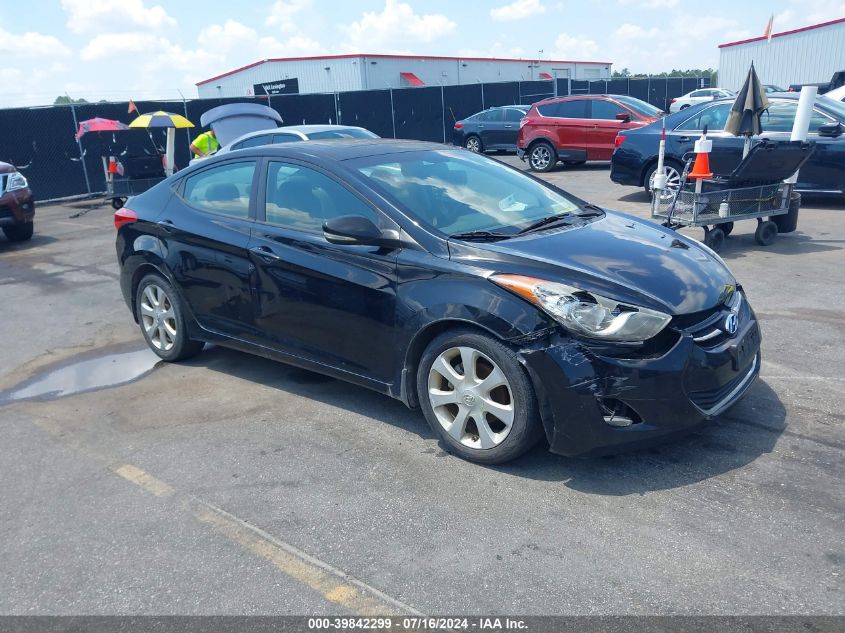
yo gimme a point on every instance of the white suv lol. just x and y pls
(699, 96)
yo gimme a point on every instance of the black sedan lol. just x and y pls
(634, 160)
(491, 129)
(503, 307)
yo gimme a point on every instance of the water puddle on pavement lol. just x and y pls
(81, 376)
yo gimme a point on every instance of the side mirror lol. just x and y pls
(624, 117)
(356, 230)
(831, 130)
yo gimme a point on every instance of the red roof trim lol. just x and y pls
(803, 28)
(412, 79)
(361, 55)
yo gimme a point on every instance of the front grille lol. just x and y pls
(713, 400)
(708, 328)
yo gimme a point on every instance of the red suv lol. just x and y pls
(577, 129)
(17, 207)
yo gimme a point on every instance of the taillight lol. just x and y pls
(124, 216)
(673, 101)
(458, 125)
(523, 121)
(618, 141)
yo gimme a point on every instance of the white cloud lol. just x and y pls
(283, 13)
(31, 45)
(517, 10)
(575, 48)
(635, 31)
(86, 16)
(652, 4)
(394, 28)
(807, 13)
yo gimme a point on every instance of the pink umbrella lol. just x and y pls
(98, 124)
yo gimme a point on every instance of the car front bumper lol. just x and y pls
(16, 207)
(578, 385)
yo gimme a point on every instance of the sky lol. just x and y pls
(148, 49)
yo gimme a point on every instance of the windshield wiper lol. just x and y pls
(480, 236)
(551, 219)
(593, 210)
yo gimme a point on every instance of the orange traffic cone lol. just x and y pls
(701, 167)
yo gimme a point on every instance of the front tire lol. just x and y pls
(477, 398)
(162, 320)
(19, 232)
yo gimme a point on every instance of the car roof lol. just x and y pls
(344, 149)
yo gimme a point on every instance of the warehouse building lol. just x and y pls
(341, 73)
(807, 55)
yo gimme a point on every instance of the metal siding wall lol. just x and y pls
(806, 57)
(361, 74)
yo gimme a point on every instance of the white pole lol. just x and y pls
(170, 151)
(802, 120)
(660, 174)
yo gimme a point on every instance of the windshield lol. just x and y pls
(640, 107)
(345, 133)
(460, 192)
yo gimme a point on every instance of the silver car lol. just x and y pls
(699, 96)
(292, 133)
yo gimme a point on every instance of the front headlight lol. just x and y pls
(16, 181)
(587, 313)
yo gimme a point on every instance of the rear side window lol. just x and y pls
(713, 117)
(491, 116)
(225, 189)
(285, 138)
(565, 109)
(255, 141)
(512, 115)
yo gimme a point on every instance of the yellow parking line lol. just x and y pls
(143, 479)
(333, 584)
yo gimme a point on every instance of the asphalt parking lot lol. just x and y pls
(232, 484)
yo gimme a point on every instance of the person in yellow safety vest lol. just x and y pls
(205, 144)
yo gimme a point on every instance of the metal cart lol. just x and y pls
(755, 189)
(716, 210)
(123, 188)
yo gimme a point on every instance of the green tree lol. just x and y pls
(65, 100)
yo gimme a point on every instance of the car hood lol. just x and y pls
(618, 256)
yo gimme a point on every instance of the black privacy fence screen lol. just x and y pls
(41, 141)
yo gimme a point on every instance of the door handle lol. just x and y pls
(684, 139)
(508, 125)
(265, 252)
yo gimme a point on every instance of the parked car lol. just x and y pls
(635, 159)
(577, 129)
(293, 133)
(772, 88)
(490, 129)
(837, 94)
(17, 206)
(698, 96)
(502, 306)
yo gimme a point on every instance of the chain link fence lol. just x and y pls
(42, 143)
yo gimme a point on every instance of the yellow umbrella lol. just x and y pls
(162, 119)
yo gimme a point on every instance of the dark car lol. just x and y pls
(491, 129)
(577, 129)
(17, 207)
(502, 306)
(635, 159)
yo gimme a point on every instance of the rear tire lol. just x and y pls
(162, 320)
(715, 239)
(19, 232)
(487, 414)
(473, 143)
(542, 157)
(766, 233)
(673, 173)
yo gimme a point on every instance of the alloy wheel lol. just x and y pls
(158, 317)
(471, 397)
(473, 144)
(673, 181)
(540, 157)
